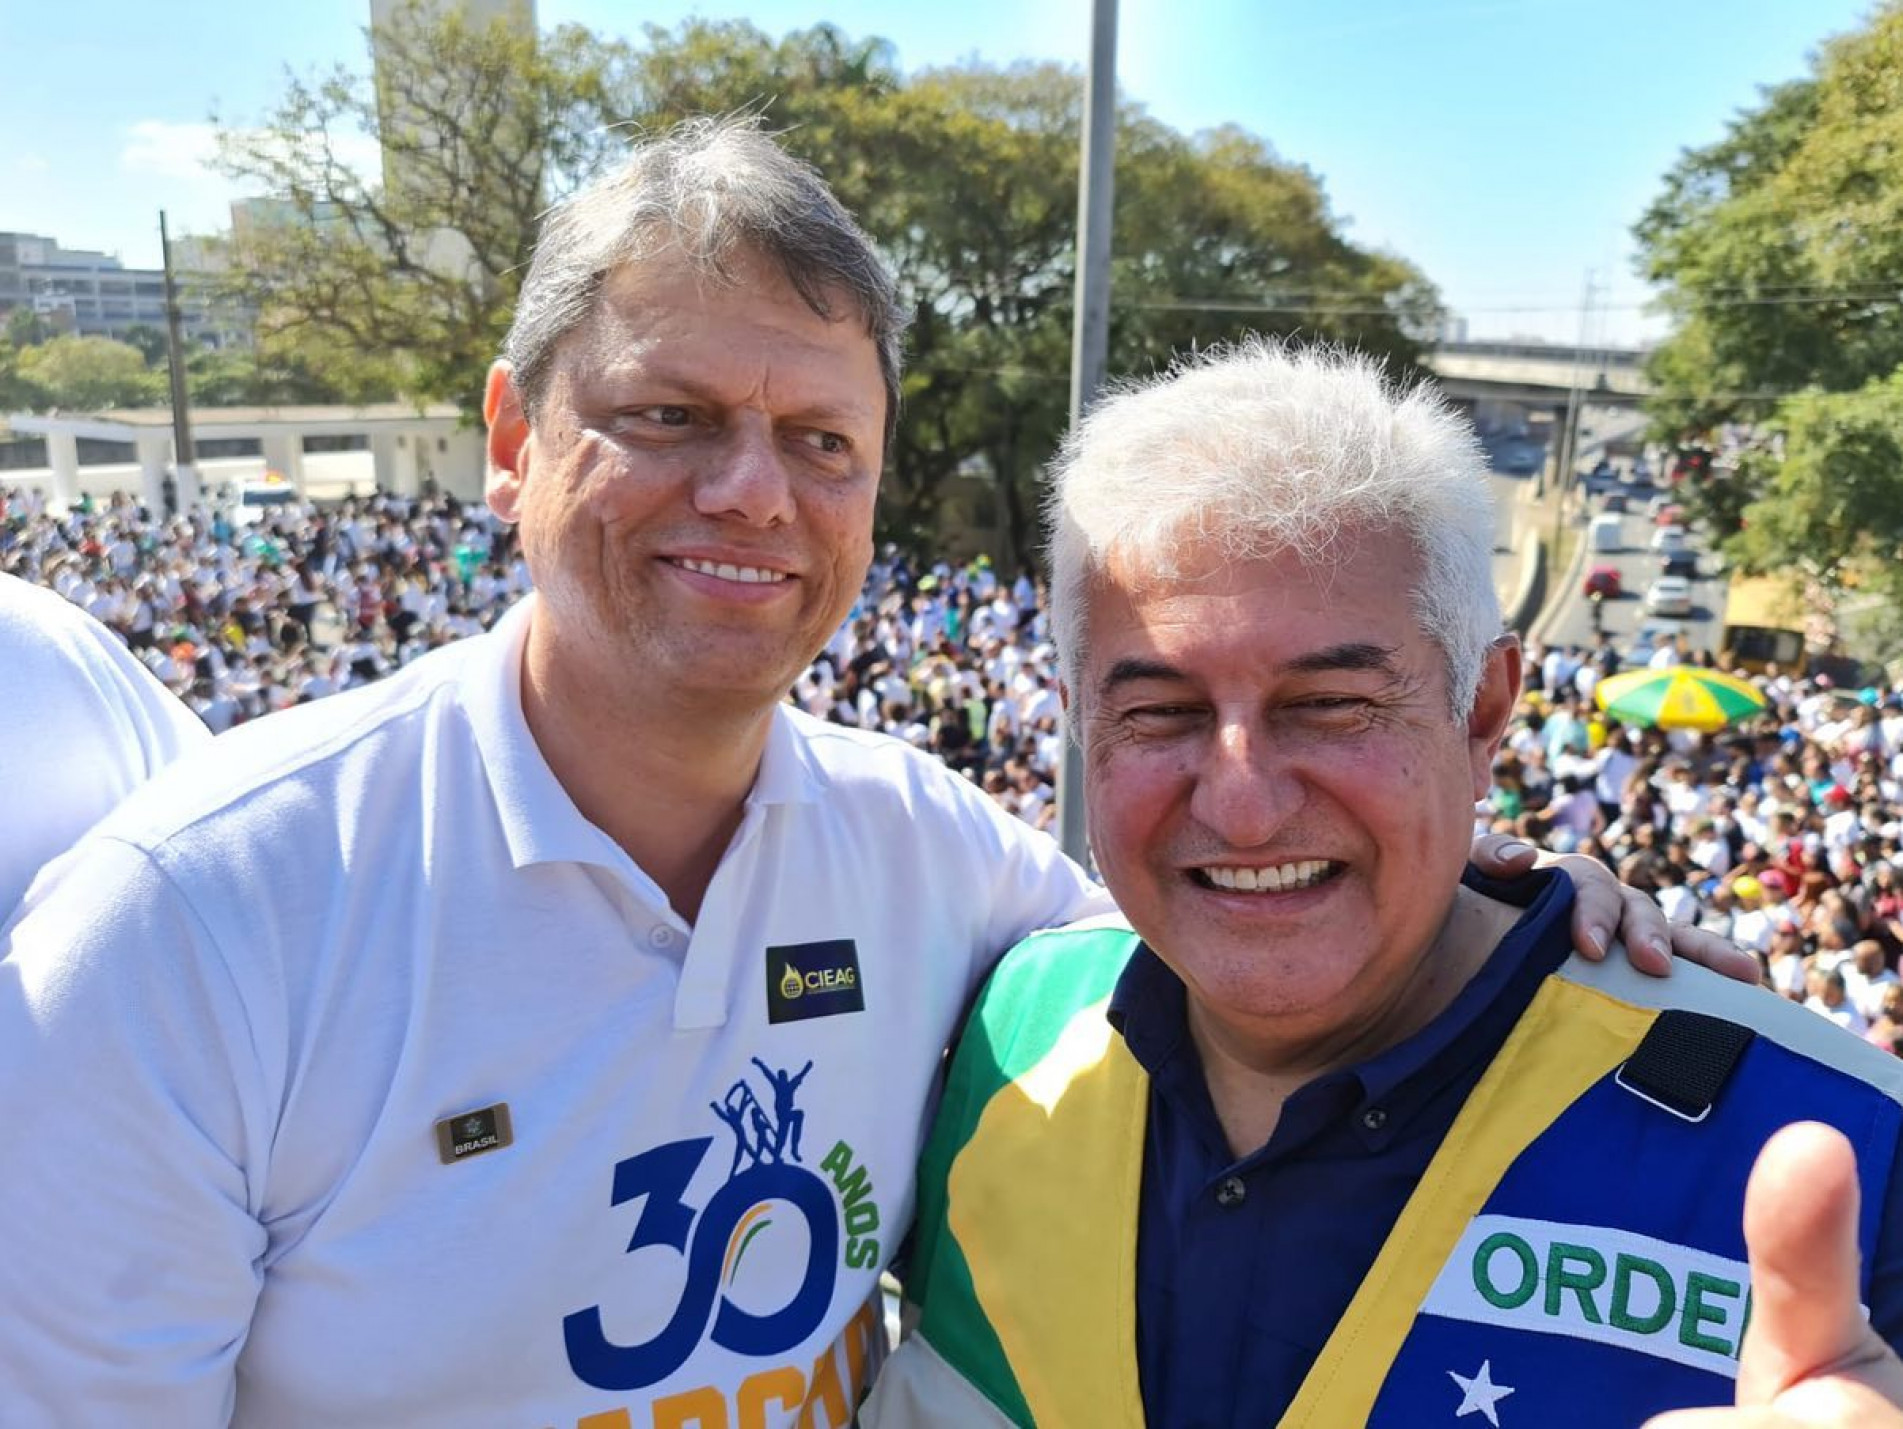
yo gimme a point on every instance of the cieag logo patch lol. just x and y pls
(470, 1133)
(813, 980)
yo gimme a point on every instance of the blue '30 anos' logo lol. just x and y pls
(764, 1169)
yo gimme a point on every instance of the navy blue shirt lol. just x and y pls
(1244, 1267)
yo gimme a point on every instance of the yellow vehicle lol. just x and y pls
(1764, 624)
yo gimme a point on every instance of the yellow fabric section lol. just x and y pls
(1043, 1200)
(1569, 1037)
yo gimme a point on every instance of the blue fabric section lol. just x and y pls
(1614, 1160)
(1555, 1383)
(1235, 1301)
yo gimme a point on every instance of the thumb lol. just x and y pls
(1800, 1225)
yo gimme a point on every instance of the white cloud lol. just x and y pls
(32, 164)
(178, 152)
(170, 150)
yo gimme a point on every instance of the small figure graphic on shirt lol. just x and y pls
(761, 1134)
(789, 1119)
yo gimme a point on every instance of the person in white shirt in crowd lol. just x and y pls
(1679, 903)
(1868, 978)
(1709, 848)
(439, 1053)
(1829, 997)
(82, 725)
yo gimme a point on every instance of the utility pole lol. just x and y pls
(184, 456)
(1090, 331)
(1575, 399)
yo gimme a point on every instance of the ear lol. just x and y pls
(1494, 700)
(508, 441)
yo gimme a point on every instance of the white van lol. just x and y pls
(1607, 532)
(257, 496)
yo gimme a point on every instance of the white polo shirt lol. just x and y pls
(233, 1021)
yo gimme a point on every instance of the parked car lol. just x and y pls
(1616, 502)
(1604, 581)
(1671, 514)
(1669, 595)
(1680, 562)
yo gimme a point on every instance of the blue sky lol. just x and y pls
(1505, 146)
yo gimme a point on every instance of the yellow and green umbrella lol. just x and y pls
(1678, 697)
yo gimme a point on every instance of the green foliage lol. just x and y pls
(151, 342)
(1779, 248)
(16, 393)
(88, 374)
(966, 177)
(25, 328)
(402, 278)
(1836, 496)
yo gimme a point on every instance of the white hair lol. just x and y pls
(1256, 450)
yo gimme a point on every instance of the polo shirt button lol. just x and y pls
(661, 936)
(1231, 1192)
(1374, 1118)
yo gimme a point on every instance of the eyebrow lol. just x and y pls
(669, 380)
(1352, 655)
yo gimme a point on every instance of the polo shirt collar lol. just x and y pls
(540, 822)
(789, 772)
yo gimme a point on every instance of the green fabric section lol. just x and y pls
(1023, 1010)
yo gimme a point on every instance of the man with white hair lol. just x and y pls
(1332, 1131)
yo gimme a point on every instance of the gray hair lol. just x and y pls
(1256, 450)
(709, 190)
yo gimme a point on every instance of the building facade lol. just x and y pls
(92, 294)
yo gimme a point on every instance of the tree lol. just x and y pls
(152, 343)
(89, 374)
(1778, 249)
(403, 279)
(966, 178)
(26, 328)
(16, 393)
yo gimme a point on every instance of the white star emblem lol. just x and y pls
(1481, 1394)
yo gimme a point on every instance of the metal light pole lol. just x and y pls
(1090, 333)
(184, 456)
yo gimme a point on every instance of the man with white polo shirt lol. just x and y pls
(82, 725)
(542, 1035)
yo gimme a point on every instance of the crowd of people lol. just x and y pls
(552, 897)
(1783, 832)
(242, 620)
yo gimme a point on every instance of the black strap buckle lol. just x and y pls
(1684, 1061)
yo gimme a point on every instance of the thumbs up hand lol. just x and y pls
(1810, 1357)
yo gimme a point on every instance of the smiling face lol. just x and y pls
(1278, 795)
(695, 495)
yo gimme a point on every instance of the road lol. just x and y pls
(1637, 566)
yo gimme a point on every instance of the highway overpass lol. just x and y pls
(1539, 374)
